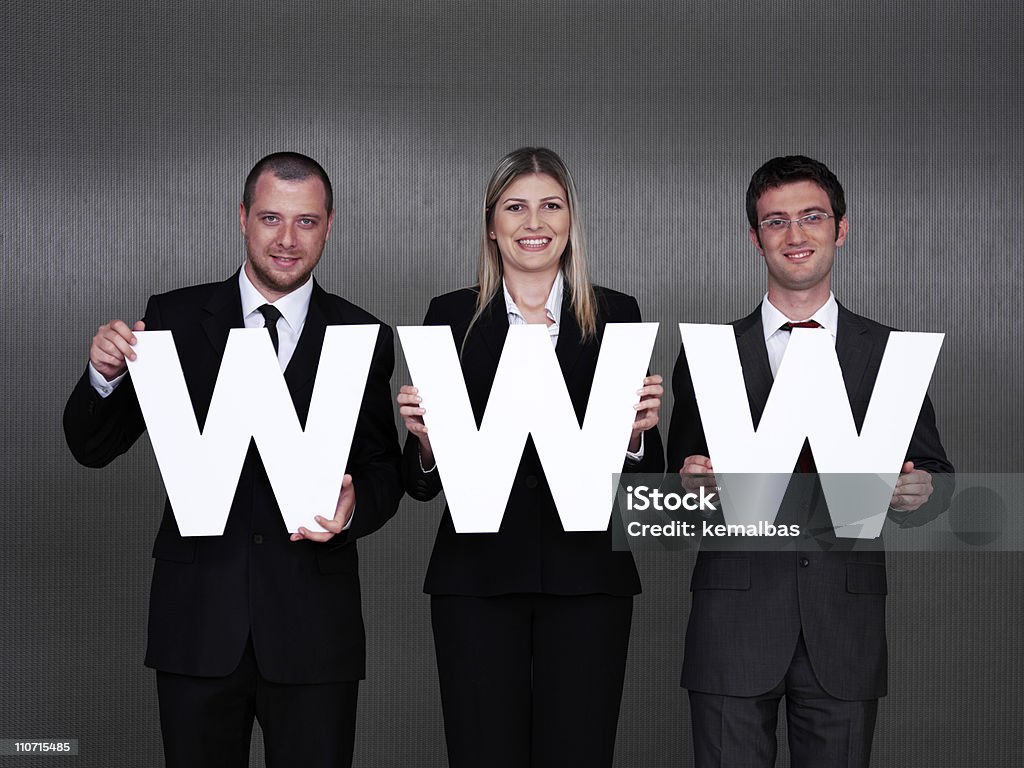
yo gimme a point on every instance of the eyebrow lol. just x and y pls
(524, 200)
(270, 212)
(783, 214)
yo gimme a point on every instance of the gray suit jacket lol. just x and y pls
(749, 607)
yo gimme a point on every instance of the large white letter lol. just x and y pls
(251, 400)
(529, 396)
(808, 400)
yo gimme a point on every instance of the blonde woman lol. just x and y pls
(531, 624)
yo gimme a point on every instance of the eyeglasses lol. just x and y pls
(810, 222)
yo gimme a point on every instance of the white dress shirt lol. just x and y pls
(293, 308)
(552, 307)
(776, 339)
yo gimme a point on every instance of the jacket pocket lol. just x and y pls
(866, 579)
(721, 573)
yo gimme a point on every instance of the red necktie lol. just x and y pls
(806, 462)
(801, 324)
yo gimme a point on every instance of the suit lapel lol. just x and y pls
(301, 370)
(853, 348)
(570, 342)
(481, 351)
(491, 330)
(757, 372)
(223, 312)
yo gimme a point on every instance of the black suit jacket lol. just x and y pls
(531, 552)
(749, 607)
(299, 600)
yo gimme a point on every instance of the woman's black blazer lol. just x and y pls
(531, 553)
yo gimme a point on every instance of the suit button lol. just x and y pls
(530, 481)
(804, 562)
(257, 539)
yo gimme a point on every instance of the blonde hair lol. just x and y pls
(573, 262)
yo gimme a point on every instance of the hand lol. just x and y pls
(696, 472)
(913, 488)
(342, 512)
(111, 345)
(646, 410)
(411, 410)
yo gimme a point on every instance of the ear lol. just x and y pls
(755, 239)
(330, 220)
(844, 228)
(241, 217)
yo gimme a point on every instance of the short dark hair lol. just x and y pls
(786, 170)
(287, 166)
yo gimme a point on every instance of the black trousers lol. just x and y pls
(531, 680)
(823, 732)
(206, 722)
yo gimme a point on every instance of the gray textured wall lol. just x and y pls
(127, 128)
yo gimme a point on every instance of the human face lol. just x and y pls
(285, 230)
(530, 224)
(799, 260)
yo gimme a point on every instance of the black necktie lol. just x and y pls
(271, 315)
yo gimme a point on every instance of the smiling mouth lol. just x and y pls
(798, 255)
(533, 243)
(284, 261)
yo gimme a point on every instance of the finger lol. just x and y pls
(408, 389)
(120, 327)
(114, 343)
(100, 359)
(124, 346)
(305, 533)
(645, 421)
(648, 404)
(334, 526)
(408, 399)
(653, 389)
(654, 378)
(908, 466)
(918, 489)
(139, 326)
(347, 497)
(917, 478)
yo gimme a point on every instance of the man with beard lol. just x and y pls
(255, 623)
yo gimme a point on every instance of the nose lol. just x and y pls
(286, 233)
(794, 233)
(533, 221)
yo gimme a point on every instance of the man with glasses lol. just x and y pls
(805, 625)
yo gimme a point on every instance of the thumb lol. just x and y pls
(907, 468)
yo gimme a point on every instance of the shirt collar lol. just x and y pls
(553, 306)
(293, 306)
(827, 316)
